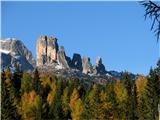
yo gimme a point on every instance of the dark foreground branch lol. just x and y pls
(152, 10)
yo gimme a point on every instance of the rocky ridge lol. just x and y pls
(14, 52)
(52, 59)
(49, 53)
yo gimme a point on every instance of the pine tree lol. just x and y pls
(153, 95)
(25, 83)
(91, 103)
(128, 103)
(36, 82)
(8, 109)
(134, 103)
(16, 84)
(55, 110)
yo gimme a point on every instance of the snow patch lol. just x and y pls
(59, 67)
(4, 51)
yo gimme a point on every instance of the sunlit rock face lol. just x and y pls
(46, 50)
(14, 52)
(87, 66)
(99, 68)
(62, 58)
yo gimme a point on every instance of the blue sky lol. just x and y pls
(116, 31)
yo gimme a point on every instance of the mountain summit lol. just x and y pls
(52, 59)
(14, 52)
(49, 53)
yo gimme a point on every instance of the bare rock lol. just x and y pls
(77, 61)
(61, 58)
(99, 68)
(14, 52)
(87, 66)
(47, 48)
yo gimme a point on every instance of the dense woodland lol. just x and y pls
(34, 96)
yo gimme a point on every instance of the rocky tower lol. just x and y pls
(87, 66)
(47, 49)
(77, 61)
(62, 58)
(99, 68)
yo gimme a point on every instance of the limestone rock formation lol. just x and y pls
(14, 52)
(99, 68)
(47, 48)
(87, 66)
(77, 61)
(62, 58)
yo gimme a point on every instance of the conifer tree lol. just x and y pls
(25, 83)
(8, 109)
(36, 82)
(65, 102)
(16, 84)
(153, 95)
(91, 103)
(128, 103)
(75, 105)
(134, 103)
(8, 73)
(55, 109)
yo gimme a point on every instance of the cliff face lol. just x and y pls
(46, 50)
(14, 52)
(48, 53)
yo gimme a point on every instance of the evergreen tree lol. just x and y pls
(8, 109)
(91, 103)
(55, 110)
(36, 82)
(16, 84)
(134, 103)
(25, 83)
(128, 102)
(153, 95)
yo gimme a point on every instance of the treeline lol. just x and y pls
(34, 96)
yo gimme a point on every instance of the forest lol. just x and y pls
(35, 96)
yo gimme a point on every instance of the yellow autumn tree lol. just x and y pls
(27, 102)
(120, 91)
(65, 101)
(8, 78)
(30, 107)
(52, 93)
(75, 105)
(8, 73)
(104, 107)
(141, 84)
(121, 98)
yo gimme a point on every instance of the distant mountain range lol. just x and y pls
(51, 59)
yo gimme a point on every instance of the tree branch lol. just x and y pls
(152, 11)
